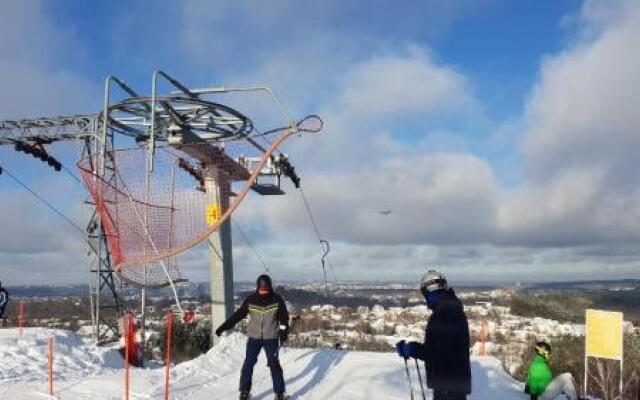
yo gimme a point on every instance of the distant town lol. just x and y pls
(503, 321)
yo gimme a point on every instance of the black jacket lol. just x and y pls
(446, 348)
(267, 314)
(4, 298)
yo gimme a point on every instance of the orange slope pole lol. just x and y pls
(51, 366)
(21, 316)
(126, 355)
(170, 318)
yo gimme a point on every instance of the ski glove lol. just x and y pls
(283, 334)
(219, 331)
(406, 349)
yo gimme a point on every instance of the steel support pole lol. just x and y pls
(622, 371)
(621, 377)
(622, 364)
(220, 253)
(105, 324)
(586, 375)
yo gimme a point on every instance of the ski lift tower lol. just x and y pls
(146, 210)
(219, 170)
(218, 146)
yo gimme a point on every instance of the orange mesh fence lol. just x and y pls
(141, 224)
(148, 219)
(146, 224)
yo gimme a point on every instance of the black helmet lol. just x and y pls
(264, 280)
(543, 348)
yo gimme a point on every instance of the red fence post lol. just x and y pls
(170, 318)
(21, 316)
(127, 345)
(51, 366)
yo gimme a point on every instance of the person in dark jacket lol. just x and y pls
(268, 328)
(445, 350)
(4, 299)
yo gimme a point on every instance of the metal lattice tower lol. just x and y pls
(106, 301)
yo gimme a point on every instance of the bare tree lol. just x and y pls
(604, 375)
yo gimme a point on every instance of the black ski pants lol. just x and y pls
(271, 348)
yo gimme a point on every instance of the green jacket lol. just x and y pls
(539, 376)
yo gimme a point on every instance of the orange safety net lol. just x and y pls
(150, 218)
(147, 223)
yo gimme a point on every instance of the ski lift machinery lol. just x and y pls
(148, 205)
(174, 189)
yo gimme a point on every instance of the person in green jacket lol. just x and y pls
(540, 382)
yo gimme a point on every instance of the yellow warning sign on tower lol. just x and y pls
(213, 214)
(604, 334)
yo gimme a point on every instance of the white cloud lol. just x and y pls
(392, 106)
(581, 136)
(583, 111)
(576, 192)
(233, 35)
(392, 88)
(37, 77)
(35, 68)
(437, 198)
(572, 209)
(362, 162)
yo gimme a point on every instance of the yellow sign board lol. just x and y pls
(213, 214)
(604, 334)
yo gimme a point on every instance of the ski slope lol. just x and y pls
(83, 371)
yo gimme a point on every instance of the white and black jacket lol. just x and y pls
(266, 315)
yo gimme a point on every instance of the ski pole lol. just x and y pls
(406, 368)
(420, 379)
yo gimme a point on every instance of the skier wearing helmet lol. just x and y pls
(268, 328)
(540, 383)
(445, 350)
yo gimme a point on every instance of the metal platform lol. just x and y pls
(267, 189)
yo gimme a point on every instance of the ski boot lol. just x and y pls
(245, 396)
(282, 396)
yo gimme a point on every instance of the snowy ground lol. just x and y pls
(86, 372)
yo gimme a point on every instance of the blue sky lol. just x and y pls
(480, 124)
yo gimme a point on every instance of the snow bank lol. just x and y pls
(25, 359)
(87, 372)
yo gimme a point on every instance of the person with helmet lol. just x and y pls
(4, 299)
(540, 383)
(268, 328)
(445, 350)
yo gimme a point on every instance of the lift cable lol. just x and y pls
(324, 244)
(253, 248)
(313, 220)
(43, 200)
(71, 174)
